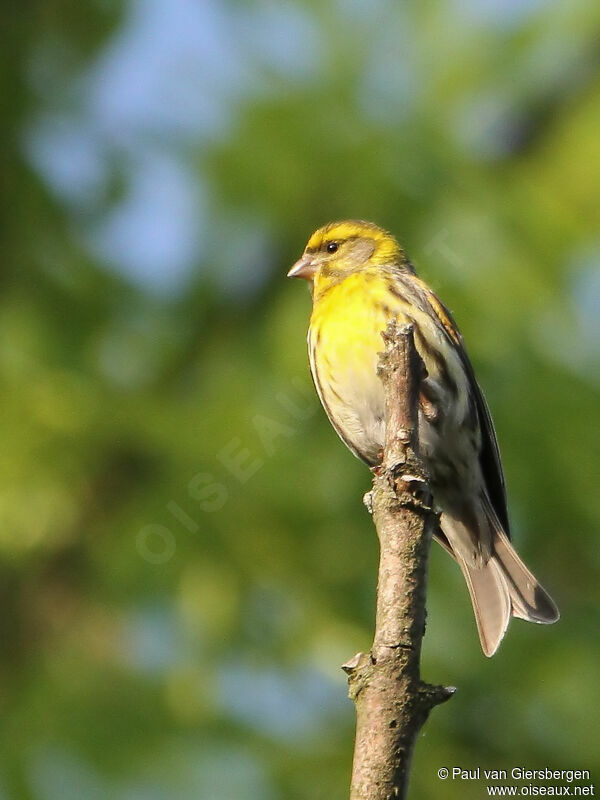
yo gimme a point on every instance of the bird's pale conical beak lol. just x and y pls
(303, 268)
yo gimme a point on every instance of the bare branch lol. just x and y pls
(392, 702)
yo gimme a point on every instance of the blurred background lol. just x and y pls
(185, 559)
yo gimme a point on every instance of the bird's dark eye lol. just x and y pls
(332, 247)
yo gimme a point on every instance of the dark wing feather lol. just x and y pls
(489, 457)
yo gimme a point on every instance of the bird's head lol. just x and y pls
(341, 248)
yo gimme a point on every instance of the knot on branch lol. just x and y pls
(412, 490)
(435, 695)
(431, 696)
(406, 486)
(359, 670)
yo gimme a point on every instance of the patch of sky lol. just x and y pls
(217, 772)
(363, 11)
(552, 60)
(171, 77)
(486, 123)
(70, 156)
(153, 234)
(585, 292)
(281, 37)
(176, 773)
(58, 774)
(172, 69)
(282, 704)
(152, 641)
(388, 87)
(571, 335)
(490, 122)
(503, 14)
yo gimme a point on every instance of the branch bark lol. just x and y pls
(392, 702)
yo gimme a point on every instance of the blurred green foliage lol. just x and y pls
(185, 557)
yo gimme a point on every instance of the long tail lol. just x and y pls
(499, 583)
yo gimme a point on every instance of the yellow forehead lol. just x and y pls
(341, 231)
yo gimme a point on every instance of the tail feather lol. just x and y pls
(491, 602)
(500, 585)
(530, 601)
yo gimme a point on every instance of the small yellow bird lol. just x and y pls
(361, 278)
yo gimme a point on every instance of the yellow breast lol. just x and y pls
(344, 343)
